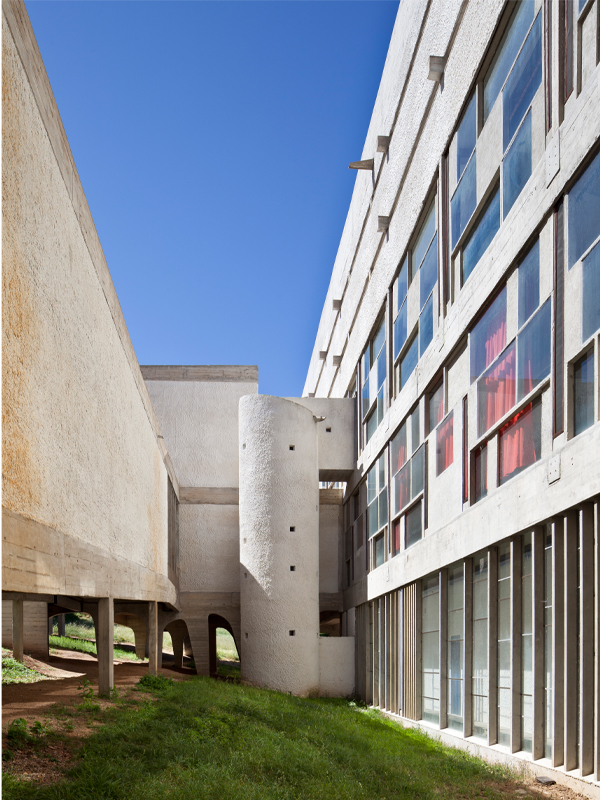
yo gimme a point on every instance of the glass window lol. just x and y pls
(424, 238)
(534, 352)
(426, 326)
(415, 429)
(399, 449)
(455, 646)
(488, 337)
(379, 548)
(464, 201)
(414, 529)
(480, 645)
(402, 488)
(584, 212)
(444, 444)
(429, 270)
(417, 471)
(516, 168)
(584, 392)
(504, 644)
(466, 137)
(376, 497)
(590, 311)
(436, 406)
(483, 233)
(430, 649)
(400, 331)
(374, 381)
(402, 284)
(396, 537)
(506, 54)
(496, 391)
(520, 441)
(529, 284)
(480, 472)
(409, 362)
(523, 82)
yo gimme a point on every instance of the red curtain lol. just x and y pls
(402, 488)
(402, 453)
(445, 444)
(517, 444)
(495, 341)
(499, 389)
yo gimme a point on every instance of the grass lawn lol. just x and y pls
(83, 646)
(207, 739)
(81, 626)
(16, 672)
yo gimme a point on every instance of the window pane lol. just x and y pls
(381, 367)
(516, 169)
(402, 284)
(466, 137)
(496, 391)
(482, 235)
(520, 442)
(413, 525)
(480, 467)
(379, 551)
(372, 519)
(402, 488)
(399, 450)
(383, 508)
(372, 424)
(529, 284)
(436, 407)
(417, 471)
(379, 340)
(507, 52)
(409, 362)
(429, 271)
(425, 236)
(415, 429)
(400, 330)
(426, 326)
(584, 393)
(584, 212)
(371, 484)
(464, 201)
(396, 538)
(488, 337)
(523, 82)
(591, 293)
(444, 444)
(534, 352)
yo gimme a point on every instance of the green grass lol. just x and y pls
(15, 672)
(226, 648)
(207, 739)
(82, 646)
(81, 626)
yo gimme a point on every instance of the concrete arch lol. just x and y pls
(180, 637)
(217, 621)
(140, 631)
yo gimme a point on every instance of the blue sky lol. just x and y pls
(213, 140)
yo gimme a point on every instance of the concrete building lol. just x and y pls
(458, 576)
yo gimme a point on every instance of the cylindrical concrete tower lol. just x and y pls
(279, 545)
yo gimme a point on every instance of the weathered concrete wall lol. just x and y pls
(336, 666)
(84, 478)
(279, 545)
(209, 548)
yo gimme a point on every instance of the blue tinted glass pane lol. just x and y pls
(429, 272)
(516, 169)
(402, 284)
(507, 52)
(482, 235)
(523, 82)
(591, 293)
(413, 525)
(488, 337)
(381, 368)
(372, 424)
(383, 509)
(409, 362)
(425, 236)
(584, 393)
(581, 5)
(417, 471)
(426, 326)
(372, 519)
(400, 330)
(533, 347)
(584, 211)
(529, 284)
(464, 201)
(379, 340)
(466, 137)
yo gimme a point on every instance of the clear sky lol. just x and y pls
(213, 140)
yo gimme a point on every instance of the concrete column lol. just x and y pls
(586, 653)
(17, 636)
(538, 541)
(492, 645)
(50, 625)
(570, 610)
(153, 643)
(443, 612)
(61, 624)
(177, 638)
(105, 633)
(468, 645)
(558, 643)
(515, 640)
(279, 544)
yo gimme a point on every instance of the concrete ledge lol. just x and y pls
(207, 495)
(331, 497)
(216, 373)
(496, 754)
(40, 559)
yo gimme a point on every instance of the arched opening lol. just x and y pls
(223, 653)
(182, 657)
